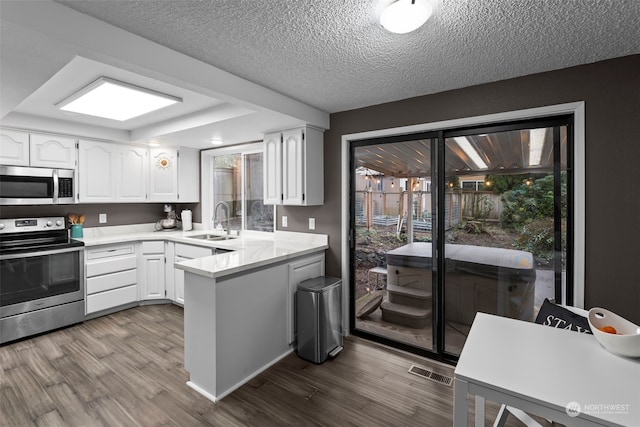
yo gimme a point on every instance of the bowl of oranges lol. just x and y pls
(615, 333)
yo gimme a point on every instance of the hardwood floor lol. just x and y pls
(126, 369)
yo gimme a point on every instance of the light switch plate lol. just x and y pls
(102, 218)
(312, 223)
(285, 222)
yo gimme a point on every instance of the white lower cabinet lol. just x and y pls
(305, 269)
(152, 270)
(121, 274)
(111, 272)
(182, 253)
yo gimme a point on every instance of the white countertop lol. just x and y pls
(248, 251)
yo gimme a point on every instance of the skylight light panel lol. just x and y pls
(111, 99)
(465, 145)
(536, 143)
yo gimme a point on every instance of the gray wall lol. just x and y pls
(117, 214)
(611, 91)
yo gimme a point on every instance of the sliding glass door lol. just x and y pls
(392, 207)
(493, 201)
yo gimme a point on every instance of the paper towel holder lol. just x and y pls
(186, 218)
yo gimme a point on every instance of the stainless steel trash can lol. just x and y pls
(319, 318)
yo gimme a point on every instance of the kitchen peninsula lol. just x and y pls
(238, 301)
(239, 307)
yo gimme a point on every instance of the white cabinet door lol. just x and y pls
(178, 281)
(163, 175)
(272, 168)
(96, 169)
(293, 174)
(299, 271)
(188, 175)
(52, 151)
(14, 148)
(169, 273)
(182, 253)
(152, 270)
(313, 166)
(132, 174)
(152, 284)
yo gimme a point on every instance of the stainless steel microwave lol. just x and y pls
(36, 186)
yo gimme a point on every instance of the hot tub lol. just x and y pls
(491, 280)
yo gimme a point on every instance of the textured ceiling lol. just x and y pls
(334, 55)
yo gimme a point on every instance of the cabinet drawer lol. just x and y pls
(190, 251)
(114, 265)
(112, 298)
(110, 251)
(111, 281)
(153, 247)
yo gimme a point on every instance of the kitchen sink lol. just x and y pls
(212, 237)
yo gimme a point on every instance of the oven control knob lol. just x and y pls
(58, 223)
(48, 224)
(1, 225)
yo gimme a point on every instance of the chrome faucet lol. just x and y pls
(225, 205)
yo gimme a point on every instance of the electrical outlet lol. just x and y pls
(102, 218)
(312, 223)
(285, 222)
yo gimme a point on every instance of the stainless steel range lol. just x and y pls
(41, 277)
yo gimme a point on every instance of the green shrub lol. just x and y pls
(537, 238)
(526, 203)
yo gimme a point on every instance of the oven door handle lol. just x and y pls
(41, 253)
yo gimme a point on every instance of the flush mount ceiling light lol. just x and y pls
(405, 16)
(111, 99)
(216, 141)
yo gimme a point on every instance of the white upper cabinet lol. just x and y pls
(96, 171)
(14, 148)
(294, 167)
(49, 151)
(120, 173)
(163, 175)
(132, 174)
(188, 175)
(272, 168)
(109, 172)
(18, 148)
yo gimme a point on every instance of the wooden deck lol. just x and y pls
(455, 334)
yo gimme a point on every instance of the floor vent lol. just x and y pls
(433, 376)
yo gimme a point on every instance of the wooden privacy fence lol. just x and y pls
(481, 205)
(386, 209)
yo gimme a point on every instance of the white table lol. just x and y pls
(540, 370)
